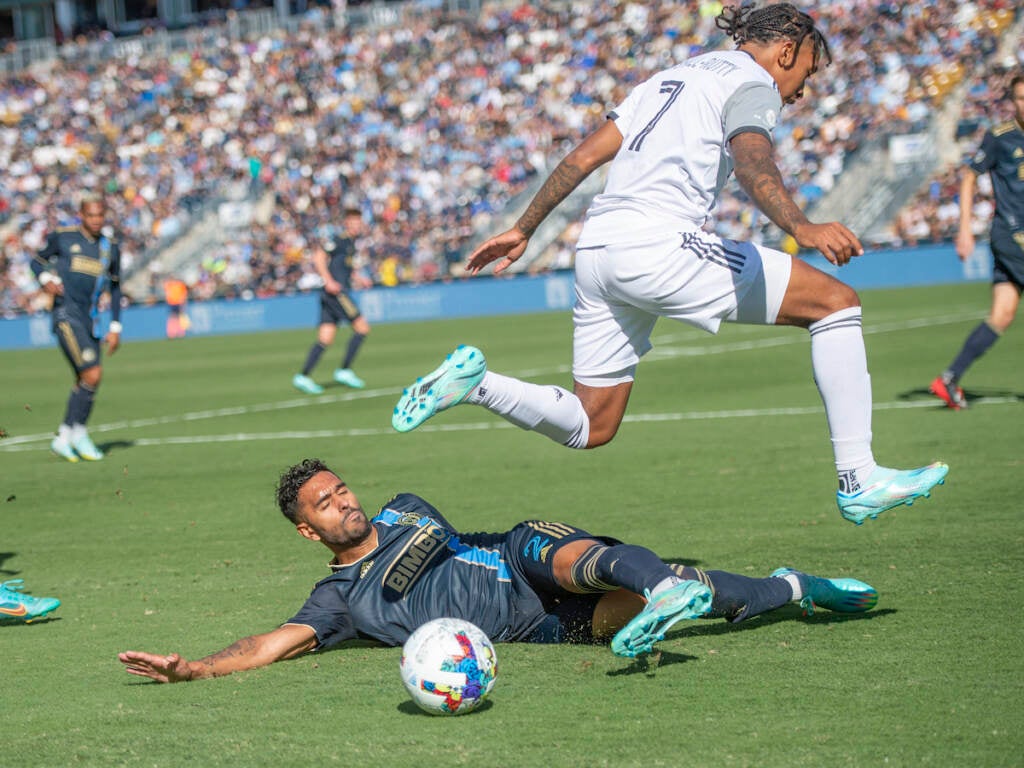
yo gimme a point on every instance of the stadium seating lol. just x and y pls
(430, 127)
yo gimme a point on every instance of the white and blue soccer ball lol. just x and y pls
(448, 666)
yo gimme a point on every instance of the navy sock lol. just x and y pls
(69, 409)
(313, 358)
(976, 345)
(739, 597)
(602, 569)
(80, 404)
(353, 346)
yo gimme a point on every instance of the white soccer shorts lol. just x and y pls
(694, 277)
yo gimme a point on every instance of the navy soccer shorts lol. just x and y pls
(335, 309)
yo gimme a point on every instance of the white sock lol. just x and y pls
(794, 582)
(667, 583)
(841, 373)
(547, 409)
(77, 431)
(64, 432)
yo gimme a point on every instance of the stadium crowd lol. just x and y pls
(430, 128)
(933, 215)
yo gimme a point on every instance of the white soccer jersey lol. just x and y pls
(675, 155)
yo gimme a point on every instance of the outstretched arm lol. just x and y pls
(593, 152)
(760, 178)
(248, 653)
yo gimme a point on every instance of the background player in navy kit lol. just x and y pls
(540, 582)
(1001, 154)
(76, 266)
(334, 265)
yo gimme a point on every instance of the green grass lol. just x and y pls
(173, 543)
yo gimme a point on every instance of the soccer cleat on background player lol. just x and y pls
(348, 378)
(686, 600)
(85, 447)
(843, 595)
(62, 448)
(949, 392)
(16, 605)
(305, 384)
(440, 389)
(887, 488)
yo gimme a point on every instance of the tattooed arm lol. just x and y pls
(593, 152)
(759, 176)
(285, 642)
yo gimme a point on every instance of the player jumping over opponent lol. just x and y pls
(643, 254)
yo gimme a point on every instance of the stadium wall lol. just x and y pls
(928, 265)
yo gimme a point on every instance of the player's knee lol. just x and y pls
(841, 296)
(91, 377)
(1000, 320)
(601, 434)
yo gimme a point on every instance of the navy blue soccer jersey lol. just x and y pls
(87, 268)
(1002, 154)
(340, 254)
(422, 569)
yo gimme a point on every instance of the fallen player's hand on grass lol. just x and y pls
(164, 669)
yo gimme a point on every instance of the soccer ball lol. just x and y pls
(448, 666)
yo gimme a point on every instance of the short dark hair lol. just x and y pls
(291, 482)
(777, 21)
(352, 212)
(1014, 82)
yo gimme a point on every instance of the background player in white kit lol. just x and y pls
(642, 255)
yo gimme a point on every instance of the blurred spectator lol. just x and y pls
(430, 128)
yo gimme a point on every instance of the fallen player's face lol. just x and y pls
(331, 509)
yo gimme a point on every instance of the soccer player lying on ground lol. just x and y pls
(643, 254)
(541, 582)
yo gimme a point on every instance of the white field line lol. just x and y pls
(657, 354)
(497, 423)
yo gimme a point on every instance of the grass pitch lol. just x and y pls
(173, 543)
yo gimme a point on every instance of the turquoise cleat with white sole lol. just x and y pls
(85, 447)
(447, 385)
(842, 595)
(348, 377)
(887, 488)
(686, 600)
(63, 448)
(306, 384)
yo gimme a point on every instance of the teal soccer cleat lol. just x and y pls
(63, 448)
(305, 384)
(686, 600)
(440, 389)
(15, 605)
(348, 378)
(85, 447)
(888, 488)
(842, 595)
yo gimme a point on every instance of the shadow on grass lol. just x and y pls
(115, 445)
(973, 395)
(410, 708)
(34, 623)
(705, 628)
(4, 557)
(648, 664)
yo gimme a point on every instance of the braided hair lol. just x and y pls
(778, 21)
